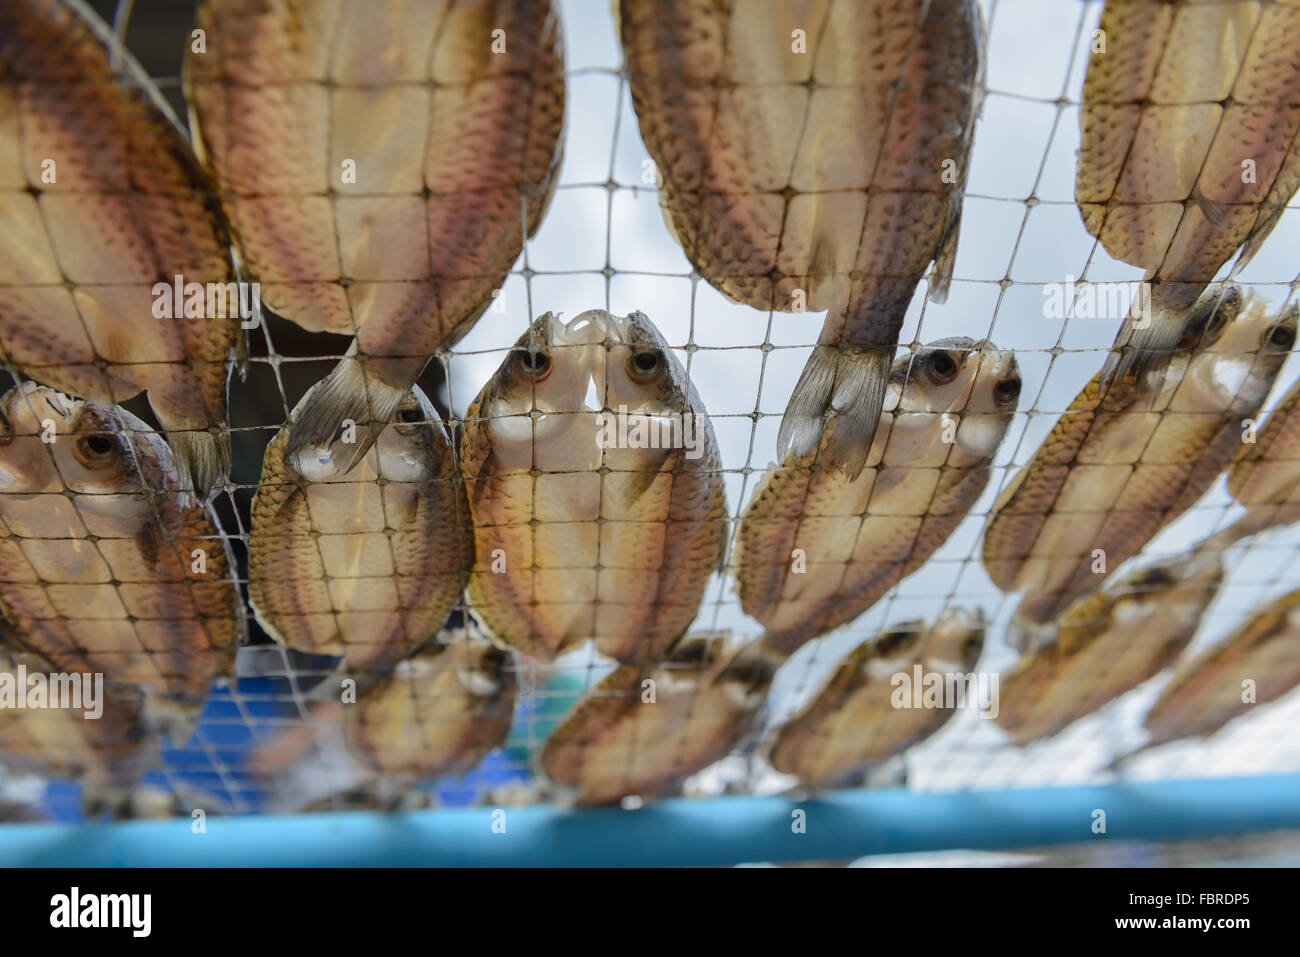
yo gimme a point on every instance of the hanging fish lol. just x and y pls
(813, 156)
(1265, 475)
(382, 167)
(594, 521)
(1108, 479)
(439, 713)
(368, 564)
(114, 258)
(1189, 150)
(107, 562)
(643, 732)
(99, 738)
(854, 720)
(1210, 690)
(1107, 644)
(816, 548)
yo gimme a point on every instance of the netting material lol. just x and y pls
(1020, 210)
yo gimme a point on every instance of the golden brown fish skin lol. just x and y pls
(850, 724)
(107, 564)
(822, 172)
(79, 257)
(1107, 644)
(1111, 476)
(1265, 475)
(108, 753)
(574, 541)
(456, 150)
(1205, 692)
(365, 565)
(439, 713)
(1181, 96)
(616, 743)
(861, 536)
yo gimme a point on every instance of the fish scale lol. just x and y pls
(1181, 96)
(367, 566)
(819, 174)
(851, 722)
(1113, 472)
(128, 207)
(574, 541)
(107, 563)
(456, 150)
(860, 537)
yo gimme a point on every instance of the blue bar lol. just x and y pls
(714, 831)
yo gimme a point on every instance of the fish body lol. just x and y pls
(1190, 148)
(1206, 692)
(812, 155)
(1265, 475)
(440, 712)
(1110, 477)
(853, 722)
(381, 167)
(1107, 644)
(102, 206)
(107, 562)
(817, 548)
(107, 747)
(595, 519)
(367, 564)
(626, 737)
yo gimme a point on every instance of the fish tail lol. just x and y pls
(202, 455)
(346, 396)
(1143, 347)
(850, 383)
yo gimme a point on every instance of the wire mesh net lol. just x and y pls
(267, 739)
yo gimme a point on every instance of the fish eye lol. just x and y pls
(941, 367)
(971, 647)
(96, 449)
(1282, 336)
(409, 419)
(894, 641)
(644, 366)
(534, 364)
(692, 654)
(1007, 391)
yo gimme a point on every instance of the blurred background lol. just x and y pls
(604, 245)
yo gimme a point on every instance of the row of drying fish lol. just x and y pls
(644, 732)
(378, 174)
(102, 555)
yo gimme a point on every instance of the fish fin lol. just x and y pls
(946, 258)
(1263, 227)
(203, 458)
(1141, 351)
(857, 400)
(346, 394)
(639, 482)
(1216, 214)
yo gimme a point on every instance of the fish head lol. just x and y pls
(484, 671)
(957, 376)
(409, 448)
(956, 641)
(50, 442)
(537, 409)
(892, 651)
(1210, 316)
(1241, 364)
